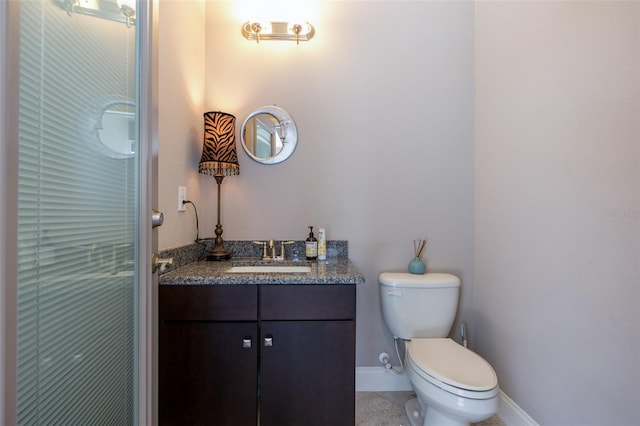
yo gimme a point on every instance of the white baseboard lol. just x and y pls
(379, 379)
(511, 414)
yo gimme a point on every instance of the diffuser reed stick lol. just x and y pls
(418, 247)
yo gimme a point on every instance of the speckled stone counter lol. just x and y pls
(240, 249)
(338, 270)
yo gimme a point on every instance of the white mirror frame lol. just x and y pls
(91, 123)
(289, 139)
(120, 146)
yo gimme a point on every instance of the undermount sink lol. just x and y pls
(276, 269)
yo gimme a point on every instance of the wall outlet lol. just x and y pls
(182, 195)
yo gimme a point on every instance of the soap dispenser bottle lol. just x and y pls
(311, 246)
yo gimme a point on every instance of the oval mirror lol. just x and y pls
(116, 129)
(269, 135)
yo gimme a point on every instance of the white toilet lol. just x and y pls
(454, 385)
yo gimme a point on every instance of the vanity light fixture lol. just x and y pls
(219, 159)
(115, 10)
(278, 31)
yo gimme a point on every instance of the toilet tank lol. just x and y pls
(419, 305)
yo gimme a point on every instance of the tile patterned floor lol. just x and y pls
(387, 409)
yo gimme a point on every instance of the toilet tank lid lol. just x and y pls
(408, 280)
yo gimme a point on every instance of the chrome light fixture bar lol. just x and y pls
(278, 31)
(114, 10)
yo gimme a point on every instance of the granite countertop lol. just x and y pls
(338, 270)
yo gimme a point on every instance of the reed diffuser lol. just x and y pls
(417, 266)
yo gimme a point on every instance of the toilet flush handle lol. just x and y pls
(395, 292)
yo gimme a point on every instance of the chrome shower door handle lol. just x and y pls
(157, 218)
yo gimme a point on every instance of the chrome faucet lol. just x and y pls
(272, 249)
(264, 249)
(269, 251)
(282, 252)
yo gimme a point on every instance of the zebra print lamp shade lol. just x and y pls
(219, 159)
(219, 148)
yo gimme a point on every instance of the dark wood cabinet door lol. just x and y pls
(206, 374)
(307, 375)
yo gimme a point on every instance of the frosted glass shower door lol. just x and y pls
(78, 198)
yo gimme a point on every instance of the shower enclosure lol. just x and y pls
(83, 194)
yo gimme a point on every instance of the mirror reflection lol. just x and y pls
(116, 129)
(269, 135)
(262, 134)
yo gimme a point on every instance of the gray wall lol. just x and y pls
(512, 193)
(557, 207)
(385, 152)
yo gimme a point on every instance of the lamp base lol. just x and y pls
(219, 256)
(218, 252)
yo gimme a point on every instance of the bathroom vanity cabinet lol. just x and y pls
(273, 355)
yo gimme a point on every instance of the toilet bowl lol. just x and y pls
(454, 385)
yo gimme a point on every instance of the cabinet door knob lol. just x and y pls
(246, 342)
(268, 341)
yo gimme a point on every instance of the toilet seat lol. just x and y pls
(452, 367)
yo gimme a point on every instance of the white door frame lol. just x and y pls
(9, 72)
(147, 22)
